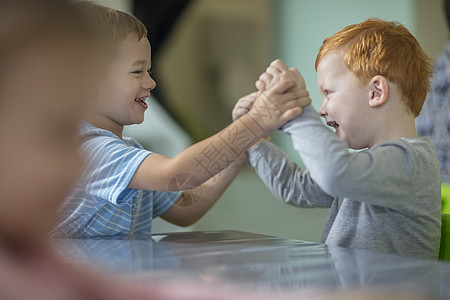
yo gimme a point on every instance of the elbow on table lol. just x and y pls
(185, 221)
(181, 215)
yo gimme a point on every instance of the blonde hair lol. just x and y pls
(111, 25)
(376, 47)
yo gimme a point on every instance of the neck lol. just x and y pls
(401, 126)
(105, 123)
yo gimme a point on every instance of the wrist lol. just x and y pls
(255, 122)
(256, 145)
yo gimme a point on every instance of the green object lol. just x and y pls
(444, 251)
(445, 195)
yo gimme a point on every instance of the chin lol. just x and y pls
(134, 122)
(139, 121)
(350, 144)
(356, 146)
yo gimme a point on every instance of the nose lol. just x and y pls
(323, 109)
(148, 83)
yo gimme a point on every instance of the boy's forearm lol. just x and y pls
(193, 204)
(213, 189)
(209, 157)
(285, 179)
(201, 161)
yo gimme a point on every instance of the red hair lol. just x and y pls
(377, 47)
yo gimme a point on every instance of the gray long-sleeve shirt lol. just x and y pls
(386, 198)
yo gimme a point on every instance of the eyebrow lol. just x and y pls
(139, 62)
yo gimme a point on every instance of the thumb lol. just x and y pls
(291, 114)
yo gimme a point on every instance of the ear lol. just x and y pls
(378, 90)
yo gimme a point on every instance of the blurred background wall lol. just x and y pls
(292, 30)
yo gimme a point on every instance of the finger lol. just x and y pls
(299, 77)
(249, 98)
(291, 114)
(296, 73)
(237, 113)
(260, 85)
(288, 101)
(273, 71)
(300, 102)
(240, 112)
(296, 93)
(247, 101)
(282, 86)
(279, 64)
(252, 96)
(266, 78)
(305, 101)
(244, 105)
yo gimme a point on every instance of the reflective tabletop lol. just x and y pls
(259, 262)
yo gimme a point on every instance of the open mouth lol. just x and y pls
(141, 102)
(333, 124)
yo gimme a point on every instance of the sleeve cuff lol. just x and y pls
(255, 153)
(308, 113)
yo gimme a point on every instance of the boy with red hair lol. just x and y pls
(373, 78)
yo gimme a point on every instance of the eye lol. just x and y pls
(150, 72)
(138, 72)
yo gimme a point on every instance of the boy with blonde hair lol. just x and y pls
(125, 186)
(373, 78)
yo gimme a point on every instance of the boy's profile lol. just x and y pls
(124, 186)
(373, 78)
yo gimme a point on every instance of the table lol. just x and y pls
(259, 262)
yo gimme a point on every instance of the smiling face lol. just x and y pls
(345, 103)
(121, 95)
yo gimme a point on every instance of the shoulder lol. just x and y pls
(415, 146)
(418, 153)
(87, 130)
(421, 142)
(132, 142)
(99, 145)
(92, 136)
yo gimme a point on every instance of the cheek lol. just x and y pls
(124, 84)
(120, 92)
(334, 105)
(132, 87)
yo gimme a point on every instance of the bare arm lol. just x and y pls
(272, 108)
(193, 204)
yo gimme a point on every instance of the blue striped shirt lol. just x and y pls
(101, 204)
